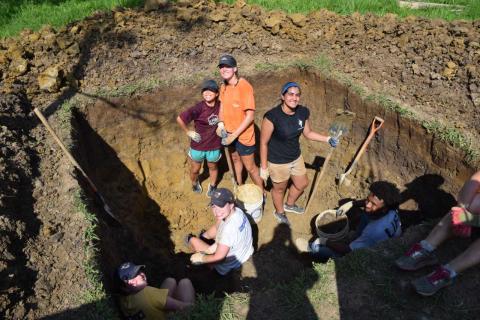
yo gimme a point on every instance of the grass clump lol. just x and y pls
(95, 294)
(131, 88)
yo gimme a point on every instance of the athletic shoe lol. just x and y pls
(197, 187)
(429, 285)
(211, 189)
(415, 258)
(293, 209)
(302, 245)
(281, 218)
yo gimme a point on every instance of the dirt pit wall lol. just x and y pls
(137, 155)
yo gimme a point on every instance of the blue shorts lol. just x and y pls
(199, 155)
(242, 149)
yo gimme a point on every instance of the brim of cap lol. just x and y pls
(226, 64)
(210, 89)
(136, 270)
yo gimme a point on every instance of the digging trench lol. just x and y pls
(134, 151)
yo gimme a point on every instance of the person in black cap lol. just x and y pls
(205, 144)
(140, 301)
(232, 234)
(237, 120)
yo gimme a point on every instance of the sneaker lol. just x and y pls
(429, 285)
(281, 218)
(211, 189)
(293, 209)
(197, 187)
(302, 245)
(415, 258)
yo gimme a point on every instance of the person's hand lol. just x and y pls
(228, 140)
(195, 136)
(332, 141)
(197, 258)
(264, 173)
(211, 249)
(220, 131)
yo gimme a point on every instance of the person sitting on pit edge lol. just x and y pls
(140, 301)
(462, 221)
(232, 233)
(378, 221)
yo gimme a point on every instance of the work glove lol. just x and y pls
(344, 208)
(211, 249)
(461, 216)
(264, 174)
(332, 141)
(197, 258)
(228, 140)
(317, 243)
(220, 131)
(195, 136)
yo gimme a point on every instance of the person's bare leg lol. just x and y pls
(278, 193)
(185, 291)
(212, 168)
(252, 169)
(170, 284)
(237, 166)
(299, 183)
(467, 259)
(194, 170)
(441, 232)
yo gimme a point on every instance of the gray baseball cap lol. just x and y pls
(227, 60)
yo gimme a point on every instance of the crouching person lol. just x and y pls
(462, 221)
(232, 234)
(140, 301)
(378, 221)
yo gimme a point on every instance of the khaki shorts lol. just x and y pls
(282, 172)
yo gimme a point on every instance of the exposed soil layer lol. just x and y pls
(136, 154)
(138, 157)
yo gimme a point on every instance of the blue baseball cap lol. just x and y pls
(210, 85)
(289, 85)
(221, 197)
(128, 270)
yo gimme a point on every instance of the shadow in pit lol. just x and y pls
(19, 224)
(144, 237)
(279, 290)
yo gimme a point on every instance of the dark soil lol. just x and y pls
(136, 155)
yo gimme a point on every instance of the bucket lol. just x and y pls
(329, 226)
(251, 197)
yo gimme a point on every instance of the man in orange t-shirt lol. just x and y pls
(237, 116)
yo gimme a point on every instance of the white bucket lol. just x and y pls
(251, 196)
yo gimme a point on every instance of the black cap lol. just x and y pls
(128, 270)
(221, 197)
(227, 60)
(210, 85)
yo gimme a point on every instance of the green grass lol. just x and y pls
(379, 7)
(16, 15)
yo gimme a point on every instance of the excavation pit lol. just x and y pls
(137, 155)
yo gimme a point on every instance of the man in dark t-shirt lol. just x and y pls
(280, 154)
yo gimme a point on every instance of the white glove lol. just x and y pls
(195, 136)
(197, 258)
(211, 249)
(344, 208)
(220, 131)
(319, 242)
(264, 173)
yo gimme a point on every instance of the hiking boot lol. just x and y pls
(293, 209)
(302, 245)
(430, 284)
(197, 187)
(211, 189)
(281, 218)
(415, 258)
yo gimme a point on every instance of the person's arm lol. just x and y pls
(249, 117)
(312, 135)
(265, 136)
(211, 233)
(469, 190)
(219, 255)
(182, 124)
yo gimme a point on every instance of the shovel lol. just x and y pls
(44, 121)
(230, 166)
(377, 123)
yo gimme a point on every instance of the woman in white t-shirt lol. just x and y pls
(232, 234)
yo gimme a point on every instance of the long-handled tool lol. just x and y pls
(40, 116)
(322, 172)
(377, 123)
(229, 162)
